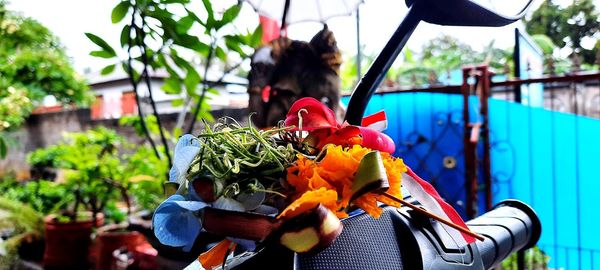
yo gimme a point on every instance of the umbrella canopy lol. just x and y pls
(304, 10)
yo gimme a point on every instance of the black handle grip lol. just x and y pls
(509, 227)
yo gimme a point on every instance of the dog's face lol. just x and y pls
(295, 69)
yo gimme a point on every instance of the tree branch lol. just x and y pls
(207, 84)
(134, 84)
(141, 38)
(204, 86)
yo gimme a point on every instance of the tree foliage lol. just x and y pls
(185, 44)
(33, 65)
(31, 57)
(568, 26)
(434, 60)
(100, 174)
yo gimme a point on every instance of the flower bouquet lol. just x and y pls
(289, 185)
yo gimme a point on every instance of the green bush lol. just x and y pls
(98, 175)
(535, 259)
(42, 196)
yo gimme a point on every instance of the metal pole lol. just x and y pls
(469, 149)
(286, 9)
(517, 61)
(358, 49)
(485, 134)
(368, 84)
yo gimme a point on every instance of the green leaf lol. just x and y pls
(193, 43)
(545, 43)
(171, 86)
(185, 24)
(408, 56)
(256, 37)
(125, 34)
(108, 69)
(191, 80)
(174, 1)
(101, 43)
(180, 62)
(220, 53)
(233, 43)
(177, 132)
(196, 18)
(135, 74)
(102, 54)
(205, 114)
(177, 102)
(3, 147)
(228, 16)
(163, 62)
(210, 20)
(213, 91)
(119, 12)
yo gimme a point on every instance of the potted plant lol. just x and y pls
(94, 188)
(141, 190)
(23, 228)
(25, 205)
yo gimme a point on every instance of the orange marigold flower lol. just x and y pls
(335, 173)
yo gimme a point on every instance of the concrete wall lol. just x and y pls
(42, 130)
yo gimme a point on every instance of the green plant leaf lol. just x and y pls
(171, 86)
(233, 43)
(545, 43)
(256, 37)
(228, 16)
(193, 43)
(125, 32)
(108, 69)
(191, 80)
(196, 18)
(101, 43)
(2, 148)
(220, 53)
(177, 102)
(136, 75)
(185, 24)
(180, 62)
(119, 12)
(205, 114)
(102, 54)
(212, 90)
(210, 20)
(174, 1)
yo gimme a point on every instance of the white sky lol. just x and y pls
(70, 19)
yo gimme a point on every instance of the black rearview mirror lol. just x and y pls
(442, 12)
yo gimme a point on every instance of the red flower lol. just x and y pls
(308, 114)
(313, 113)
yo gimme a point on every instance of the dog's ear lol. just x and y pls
(325, 46)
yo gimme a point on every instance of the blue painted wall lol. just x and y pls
(547, 159)
(555, 159)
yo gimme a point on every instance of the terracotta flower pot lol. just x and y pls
(108, 241)
(67, 243)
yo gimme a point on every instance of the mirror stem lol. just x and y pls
(367, 86)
